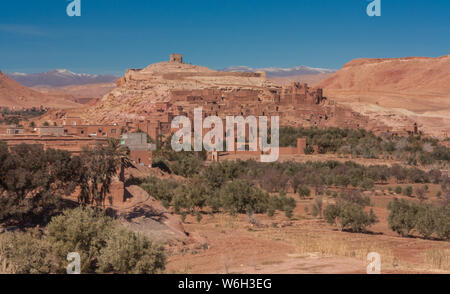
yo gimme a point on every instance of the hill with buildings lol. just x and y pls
(375, 94)
(163, 90)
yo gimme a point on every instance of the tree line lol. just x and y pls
(33, 180)
(413, 149)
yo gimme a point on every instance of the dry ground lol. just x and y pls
(227, 244)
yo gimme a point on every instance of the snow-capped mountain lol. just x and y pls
(59, 78)
(277, 72)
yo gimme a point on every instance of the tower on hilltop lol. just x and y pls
(177, 58)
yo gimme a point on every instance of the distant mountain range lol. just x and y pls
(277, 72)
(64, 77)
(59, 78)
(15, 95)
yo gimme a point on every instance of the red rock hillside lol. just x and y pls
(13, 94)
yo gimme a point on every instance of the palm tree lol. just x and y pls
(121, 153)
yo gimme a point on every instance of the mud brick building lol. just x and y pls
(12, 130)
(140, 149)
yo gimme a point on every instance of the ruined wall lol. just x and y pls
(67, 143)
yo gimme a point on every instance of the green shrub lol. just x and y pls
(426, 221)
(217, 174)
(355, 196)
(27, 253)
(191, 197)
(273, 180)
(186, 165)
(163, 190)
(128, 252)
(398, 190)
(240, 196)
(282, 203)
(367, 184)
(82, 230)
(349, 216)
(103, 245)
(443, 223)
(303, 191)
(408, 190)
(402, 217)
(32, 181)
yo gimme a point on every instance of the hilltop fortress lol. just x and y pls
(148, 99)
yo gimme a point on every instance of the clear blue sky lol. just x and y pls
(113, 35)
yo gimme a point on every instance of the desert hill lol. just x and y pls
(396, 90)
(87, 91)
(13, 94)
(418, 84)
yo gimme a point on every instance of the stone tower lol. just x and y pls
(177, 58)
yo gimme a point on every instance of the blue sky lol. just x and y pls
(113, 35)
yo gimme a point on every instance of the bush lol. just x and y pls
(402, 217)
(192, 197)
(242, 197)
(367, 184)
(161, 163)
(82, 230)
(303, 191)
(421, 192)
(186, 165)
(349, 216)
(443, 223)
(282, 203)
(182, 163)
(163, 190)
(398, 190)
(103, 245)
(426, 221)
(273, 180)
(217, 174)
(408, 191)
(127, 252)
(356, 197)
(27, 253)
